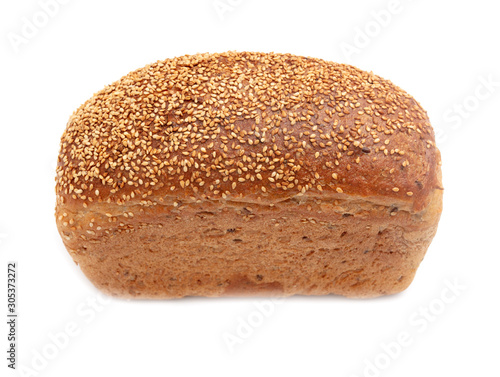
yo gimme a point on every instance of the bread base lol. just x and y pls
(353, 248)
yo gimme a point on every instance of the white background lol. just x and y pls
(441, 52)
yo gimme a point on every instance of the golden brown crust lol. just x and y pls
(351, 247)
(156, 170)
(247, 126)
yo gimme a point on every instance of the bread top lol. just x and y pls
(244, 126)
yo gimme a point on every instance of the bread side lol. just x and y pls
(312, 247)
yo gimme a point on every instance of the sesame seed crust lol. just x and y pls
(247, 126)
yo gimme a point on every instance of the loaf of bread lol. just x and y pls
(246, 173)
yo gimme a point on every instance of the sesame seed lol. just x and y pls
(212, 125)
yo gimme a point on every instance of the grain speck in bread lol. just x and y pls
(248, 173)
